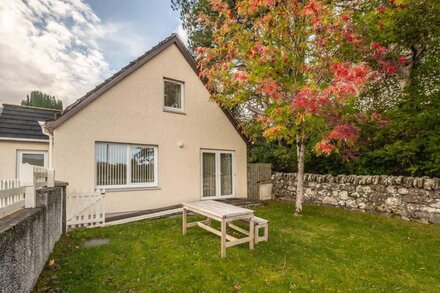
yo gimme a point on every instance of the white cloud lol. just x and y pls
(58, 47)
(182, 33)
(119, 40)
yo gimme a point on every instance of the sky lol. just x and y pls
(67, 47)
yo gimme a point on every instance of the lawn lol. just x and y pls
(326, 249)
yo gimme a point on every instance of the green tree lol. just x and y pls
(199, 33)
(410, 143)
(42, 100)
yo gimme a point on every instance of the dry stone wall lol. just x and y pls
(410, 198)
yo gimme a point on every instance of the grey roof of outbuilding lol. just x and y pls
(21, 122)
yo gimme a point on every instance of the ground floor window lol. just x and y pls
(125, 165)
(36, 158)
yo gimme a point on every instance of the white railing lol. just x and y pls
(16, 194)
(86, 209)
(12, 196)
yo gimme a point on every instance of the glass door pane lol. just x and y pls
(226, 174)
(209, 174)
(33, 159)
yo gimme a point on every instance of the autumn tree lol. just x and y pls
(297, 65)
(198, 35)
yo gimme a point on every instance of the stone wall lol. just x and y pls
(410, 198)
(27, 238)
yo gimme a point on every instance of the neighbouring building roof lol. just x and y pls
(124, 72)
(21, 122)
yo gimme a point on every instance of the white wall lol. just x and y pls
(132, 112)
(8, 155)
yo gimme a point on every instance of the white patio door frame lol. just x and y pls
(218, 174)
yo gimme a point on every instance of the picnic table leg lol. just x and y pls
(251, 233)
(184, 221)
(223, 238)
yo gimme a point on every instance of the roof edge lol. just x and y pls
(117, 77)
(32, 107)
(24, 139)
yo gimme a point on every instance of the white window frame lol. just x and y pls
(218, 173)
(130, 185)
(182, 96)
(19, 159)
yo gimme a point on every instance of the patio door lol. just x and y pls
(218, 174)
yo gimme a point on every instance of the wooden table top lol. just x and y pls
(217, 209)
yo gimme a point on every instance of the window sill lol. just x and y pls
(135, 188)
(171, 110)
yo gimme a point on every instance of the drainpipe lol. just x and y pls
(51, 172)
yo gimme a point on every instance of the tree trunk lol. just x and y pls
(300, 176)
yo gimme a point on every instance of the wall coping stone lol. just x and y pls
(426, 183)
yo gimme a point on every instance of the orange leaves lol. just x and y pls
(219, 5)
(324, 147)
(311, 8)
(379, 120)
(378, 48)
(255, 4)
(351, 73)
(241, 76)
(352, 37)
(388, 67)
(402, 59)
(259, 50)
(305, 101)
(274, 132)
(272, 89)
(343, 134)
(345, 18)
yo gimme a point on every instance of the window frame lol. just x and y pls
(129, 185)
(182, 96)
(19, 159)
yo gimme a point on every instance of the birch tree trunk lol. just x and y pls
(300, 150)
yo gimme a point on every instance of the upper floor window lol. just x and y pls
(173, 95)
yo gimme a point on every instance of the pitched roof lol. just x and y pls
(124, 72)
(21, 122)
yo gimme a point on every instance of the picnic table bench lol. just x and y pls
(225, 214)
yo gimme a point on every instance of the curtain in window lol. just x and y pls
(125, 165)
(209, 184)
(226, 173)
(142, 164)
(111, 164)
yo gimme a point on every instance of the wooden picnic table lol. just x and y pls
(225, 214)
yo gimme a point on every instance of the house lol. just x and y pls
(22, 139)
(150, 137)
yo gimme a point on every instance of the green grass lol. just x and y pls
(326, 249)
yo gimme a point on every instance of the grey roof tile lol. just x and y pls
(22, 122)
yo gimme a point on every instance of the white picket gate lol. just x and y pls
(85, 209)
(16, 194)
